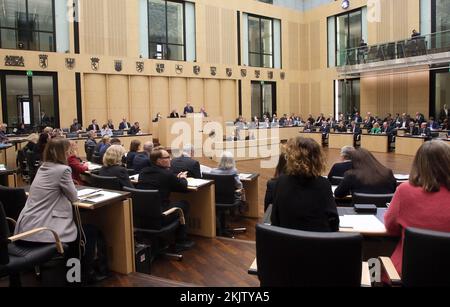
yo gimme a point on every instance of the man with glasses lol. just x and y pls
(160, 177)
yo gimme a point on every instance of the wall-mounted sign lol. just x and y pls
(13, 60)
(43, 61)
(229, 72)
(213, 71)
(140, 66)
(160, 68)
(70, 63)
(95, 64)
(196, 69)
(244, 73)
(179, 69)
(118, 65)
(257, 74)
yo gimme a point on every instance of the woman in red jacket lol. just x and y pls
(76, 164)
(424, 202)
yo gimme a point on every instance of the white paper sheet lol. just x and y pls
(205, 169)
(134, 177)
(93, 167)
(245, 176)
(362, 223)
(195, 183)
(99, 197)
(85, 192)
(401, 177)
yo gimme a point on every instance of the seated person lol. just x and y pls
(102, 146)
(432, 124)
(227, 166)
(424, 130)
(32, 141)
(142, 159)
(159, 177)
(3, 138)
(94, 126)
(341, 127)
(376, 129)
(368, 175)
(90, 145)
(303, 198)
(157, 118)
(412, 130)
(339, 169)
(110, 124)
(174, 114)
(75, 127)
(188, 109)
(424, 201)
(76, 164)
(280, 170)
(184, 163)
(124, 125)
(112, 165)
(135, 129)
(106, 131)
(21, 130)
(135, 147)
(325, 129)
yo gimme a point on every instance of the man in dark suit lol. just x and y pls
(339, 169)
(142, 159)
(188, 109)
(357, 118)
(124, 125)
(160, 177)
(94, 126)
(412, 130)
(45, 120)
(424, 130)
(174, 114)
(445, 113)
(325, 129)
(185, 163)
(135, 129)
(76, 127)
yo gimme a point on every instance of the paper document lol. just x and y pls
(192, 182)
(134, 177)
(245, 176)
(401, 177)
(205, 169)
(99, 197)
(93, 167)
(86, 192)
(362, 223)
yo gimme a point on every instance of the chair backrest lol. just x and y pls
(108, 183)
(147, 211)
(225, 188)
(335, 180)
(425, 258)
(13, 201)
(292, 258)
(4, 234)
(380, 200)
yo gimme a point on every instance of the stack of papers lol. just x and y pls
(96, 196)
(362, 223)
(245, 176)
(195, 183)
(400, 177)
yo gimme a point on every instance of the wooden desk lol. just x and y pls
(8, 155)
(247, 150)
(407, 145)
(251, 186)
(339, 140)
(201, 220)
(8, 177)
(114, 218)
(375, 142)
(316, 136)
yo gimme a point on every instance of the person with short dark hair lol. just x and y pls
(135, 147)
(142, 159)
(124, 125)
(271, 184)
(94, 126)
(75, 127)
(135, 129)
(424, 201)
(303, 198)
(415, 34)
(188, 109)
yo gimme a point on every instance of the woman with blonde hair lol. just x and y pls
(303, 199)
(423, 202)
(112, 165)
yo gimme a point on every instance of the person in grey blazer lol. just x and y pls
(227, 166)
(51, 196)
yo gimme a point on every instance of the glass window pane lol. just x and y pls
(157, 20)
(16, 90)
(40, 15)
(268, 61)
(9, 39)
(255, 59)
(266, 36)
(254, 38)
(43, 100)
(44, 41)
(355, 30)
(11, 12)
(256, 99)
(175, 23)
(175, 53)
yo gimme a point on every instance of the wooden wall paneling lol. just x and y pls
(196, 93)
(304, 47)
(118, 98)
(212, 29)
(117, 29)
(95, 98)
(93, 14)
(178, 95)
(229, 37)
(314, 43)
(294, 36)
(159, 96)
(140, 102)
(227, 102)
(294, 98)
(212, 97)
(315, 98)
(305, 107)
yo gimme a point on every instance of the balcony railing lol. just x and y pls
(417, 46)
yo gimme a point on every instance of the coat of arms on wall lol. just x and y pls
(270, 75)
(43, 61)
(213, 71)
(244, 73)
(140, 66)
(118, 65)
(179, 69)
(70, 63)
(196, 69)
(283, 75)
(257, 74)
(160, 68)
(13, 60)
(229, 72)
(95, 63)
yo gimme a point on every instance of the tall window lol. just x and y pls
(27, 24)
(348, 34)
(260, 41)
(166, 30)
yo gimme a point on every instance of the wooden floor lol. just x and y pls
(224, 262)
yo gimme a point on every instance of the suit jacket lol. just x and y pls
(413, 131)
(134, 130)
(238, 183)
(130, 159)
(351, 184)
(304, 204)
(270, 193)
(119, 172)
(93, 127)
(124, 126)
(78, 168)
(75, 128)
(188, 110)
(163, 180)
(50, 205)
(174, 115)
(141, 161)
(339, 169)
(426, 132)
(186, 164)
(356, 129)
